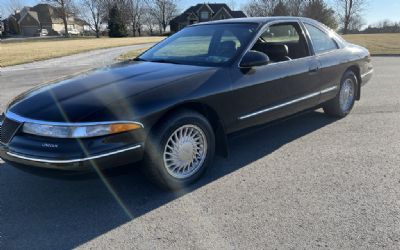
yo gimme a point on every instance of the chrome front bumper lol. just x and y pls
(71, 154)
(365, 78)
(91, 162)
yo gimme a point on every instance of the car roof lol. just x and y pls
(258, 20)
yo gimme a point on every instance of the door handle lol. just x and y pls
(313, 69)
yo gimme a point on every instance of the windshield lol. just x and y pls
(208, 45)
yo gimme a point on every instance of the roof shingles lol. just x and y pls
(215, 7)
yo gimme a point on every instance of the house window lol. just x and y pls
(204, 15)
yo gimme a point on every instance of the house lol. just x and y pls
(203, 13)
(30, 20)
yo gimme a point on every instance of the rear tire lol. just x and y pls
(179, 150)
(343, 103)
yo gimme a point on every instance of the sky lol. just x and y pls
(377, 10)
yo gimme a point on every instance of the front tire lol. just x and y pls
(344, 101)
(179, 150)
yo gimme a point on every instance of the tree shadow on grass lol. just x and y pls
(44, 213)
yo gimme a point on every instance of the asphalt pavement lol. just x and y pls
(311, 182)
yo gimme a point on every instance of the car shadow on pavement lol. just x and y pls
(43, 213)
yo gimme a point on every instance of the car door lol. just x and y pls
(327, 51)
(284, 86)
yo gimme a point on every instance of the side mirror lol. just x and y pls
(253, 59)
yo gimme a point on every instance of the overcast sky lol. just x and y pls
(377, 9)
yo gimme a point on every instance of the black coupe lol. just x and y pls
(174, 105)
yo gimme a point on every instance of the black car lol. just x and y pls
(174, 105)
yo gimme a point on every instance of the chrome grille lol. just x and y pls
(8, 129)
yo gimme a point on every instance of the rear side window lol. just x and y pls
(321, 41)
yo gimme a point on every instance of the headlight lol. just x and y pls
(61, 131)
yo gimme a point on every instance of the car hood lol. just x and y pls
(114, 90)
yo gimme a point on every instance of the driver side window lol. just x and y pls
(282, 42)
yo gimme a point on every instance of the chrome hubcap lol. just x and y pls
(185, 151)
(347, 95)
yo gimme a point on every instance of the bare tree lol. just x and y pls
(107, 5)
(2, 12)
(275, 7)
(93, 13)
(64, 6)
(14, 6)
(232, 4)
(149, 21)
(357, 22)
(126, 9)
(281, 9)
(1, 18)
(163, 10)
(135, 14)
(348, 10)
(295, 7)
(260, 7)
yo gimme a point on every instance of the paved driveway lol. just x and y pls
(16, 79)
(312, 182)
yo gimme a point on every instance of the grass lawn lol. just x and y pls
(131, 54)
(18, 52)
(12, 53)
(378, 44)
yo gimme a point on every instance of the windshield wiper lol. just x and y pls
(164, 61)
(156, 60)
(140, 59)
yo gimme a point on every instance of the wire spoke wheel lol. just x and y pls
(346, 98)
(185, 151)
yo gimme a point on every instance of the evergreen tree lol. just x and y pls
(280, 9)
(319, 10)
(116, 24)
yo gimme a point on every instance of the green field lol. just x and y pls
(131, 54)
(378, 44)
(12, 53)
